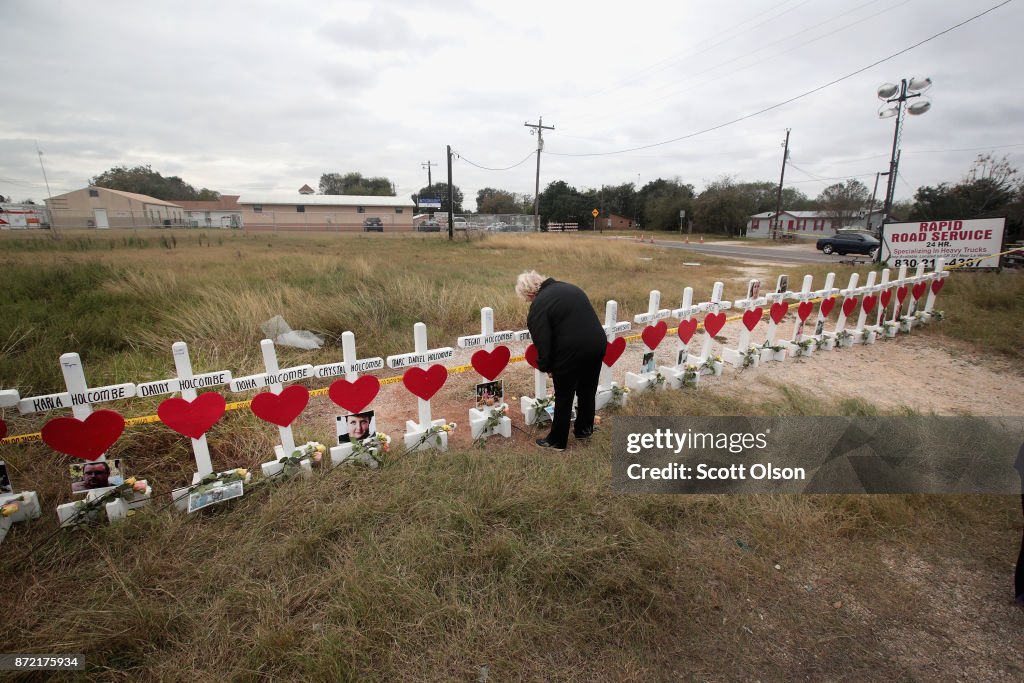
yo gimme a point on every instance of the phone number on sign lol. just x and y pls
(41, 662)
(928, 262)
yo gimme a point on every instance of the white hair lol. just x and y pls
(528, 284)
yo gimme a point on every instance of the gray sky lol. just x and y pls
(259, 96)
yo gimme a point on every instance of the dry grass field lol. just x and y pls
(497, 563)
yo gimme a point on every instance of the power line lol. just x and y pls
(792, 99)
(486, 168)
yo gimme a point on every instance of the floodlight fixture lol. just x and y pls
(887, 90)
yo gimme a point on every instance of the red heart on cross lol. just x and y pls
(614, 350)
(687, 328)
(804, 310)
(849, 305)
(886, 298)
(919, 289)
(779, 311)
(901, 294)
(3, 429)
(713, 323)
(354, 396)
(869, 303)
(752, 317)
(425, 383)
(653, 334)
(192, 418)
(281, 409)
(827, 305)
(87, 439)
(531, 356)
(490, 364)
(937, 286)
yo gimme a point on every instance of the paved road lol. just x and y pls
(746, 251)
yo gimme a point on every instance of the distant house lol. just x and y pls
(222, 213)
(614, 221)
(796, 223)
(99, 207)
(324, 212)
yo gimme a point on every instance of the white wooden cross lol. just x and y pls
(607, 387)
(913, 281)
(274, 378)
(79, 397)
(675, 374)
(828, 292)
(350, 366)
(712, 307)
(897, 305)
(880, 312)
(26, 502)
(487, 339)
(527, 404)
(862, 334)
(938, 275)
(416, 433)
(750, 303)
(186, 382)
(640, 382)
(779, 296)
(804, 296)
(837, 336)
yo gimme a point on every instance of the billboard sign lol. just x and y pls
(956, 241)
(429, 203)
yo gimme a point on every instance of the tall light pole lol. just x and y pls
(899, 94)
(871, 206)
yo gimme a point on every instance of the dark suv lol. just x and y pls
(373, 225)
(429, 225)
(848, 242)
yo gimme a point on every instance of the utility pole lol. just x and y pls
(871, 206)
(778, 200)
(451, 197)
(539, 128)
(426, 164)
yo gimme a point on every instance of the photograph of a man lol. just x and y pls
(356, 427)
(5, 482)
(95, 475)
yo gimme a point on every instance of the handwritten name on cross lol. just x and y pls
(487, 337)
(653, 313)
(79, 397)
(350, 364)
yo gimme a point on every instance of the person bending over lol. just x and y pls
(570, 343)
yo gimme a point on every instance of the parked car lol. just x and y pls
(460, 224)
(429, 225)
(373, 225)
(848, 242)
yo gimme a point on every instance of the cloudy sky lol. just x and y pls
(265, 96)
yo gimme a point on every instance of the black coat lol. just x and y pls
(565, 329)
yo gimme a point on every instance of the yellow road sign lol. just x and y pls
(595, 213)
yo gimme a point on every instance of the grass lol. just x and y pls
(504, 558)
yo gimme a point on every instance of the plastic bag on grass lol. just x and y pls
(277, 329)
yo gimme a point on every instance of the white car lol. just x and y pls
(460, 224)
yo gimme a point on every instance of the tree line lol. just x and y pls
(991, 187)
